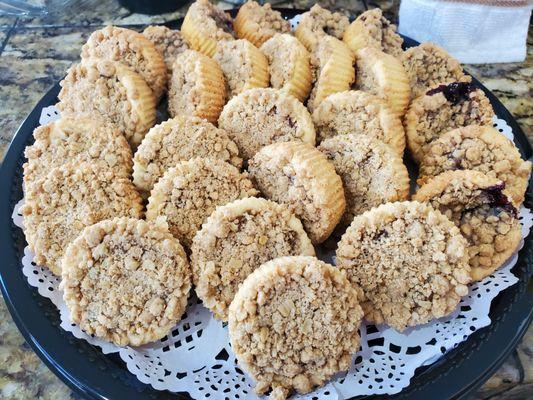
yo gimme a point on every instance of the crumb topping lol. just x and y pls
(212, 21)
(319, 22)
(268, 21)
(168, 42)
(380, 33)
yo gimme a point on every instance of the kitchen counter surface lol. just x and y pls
(35, 53)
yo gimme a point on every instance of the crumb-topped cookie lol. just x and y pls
(485, 215)
(294, 324)
(441, 109)
(112, 90)
(300, 176)
(409, 261)
(289, 65)
(78, 139)
(188, 193)
(428, 65)
(126, 281)
(259, 117)
(197, 87)
(317, 23)
(258, 23)
(243, 64)
(481, 148)
(372, 29)
(180, 139)
(372, 173)
(235, 240)
(205, 25)
(361, 113)
(69, 198)
(132, 49)
(169, 42)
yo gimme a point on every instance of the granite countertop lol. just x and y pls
(35, 53)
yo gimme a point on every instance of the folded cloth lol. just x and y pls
(473, 31)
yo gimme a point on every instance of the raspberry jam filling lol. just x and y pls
(455, 92)
(498, 201)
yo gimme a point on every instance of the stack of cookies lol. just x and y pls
(276, 142)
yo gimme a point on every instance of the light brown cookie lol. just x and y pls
(317, 23)
(259, 117)
(205, 25)
(126, 281)
(486, 217)
(372, 29)
(428, 65)
(294, 324)
(188, 193)
(243, 64)
(409, 262)
(360, 113)
(289, 65)
(132, 49)
(383, 75)
(372, 173)
(481, 148)
(80, 138)
(114, 92)
(441, 109)
(179, 139)
(300, 176)
(169, 42)
(197, 87)
(235, 240)
(258, 23)
(69, 198)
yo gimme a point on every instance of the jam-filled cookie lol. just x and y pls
(318, 23)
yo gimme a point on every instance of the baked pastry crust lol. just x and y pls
(169, 42)
(235, 240)
(188, 193)
(481, 148)
(300, 176)
(409, 261)
(486, 217)
(69, 198)
(318, 23)
(284, 343)
(259, 117)
(126, 281)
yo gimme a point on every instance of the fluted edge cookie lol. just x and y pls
(318, 23)
(169, 42)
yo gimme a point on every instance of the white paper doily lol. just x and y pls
(196, 356)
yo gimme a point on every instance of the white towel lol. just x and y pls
(472, 32)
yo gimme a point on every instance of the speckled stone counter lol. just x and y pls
(35, 53)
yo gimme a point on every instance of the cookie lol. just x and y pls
(197, 87)
(409, 261)
(169, 42)
(259, 117)
(318, 23)
(235, 240)
(294, 324)
(383, 75)
(372, 173)
(428, 65)
(360, 113)
(179, 139)
(258, 23)
(112, 91)
(372, 29)
(205, 25)
(481, 148)
(333, 71)
(69, 198)
(188, 193)
(80, 138)
(300, 176)
(132, 49)
(243, 65)
(289, 65)
(485, 215)
(126, 281)
(442, 109)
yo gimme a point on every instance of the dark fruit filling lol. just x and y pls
(222, 20)
(454, 92)
(499, 201)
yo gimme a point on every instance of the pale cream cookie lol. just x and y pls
(169, 42)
